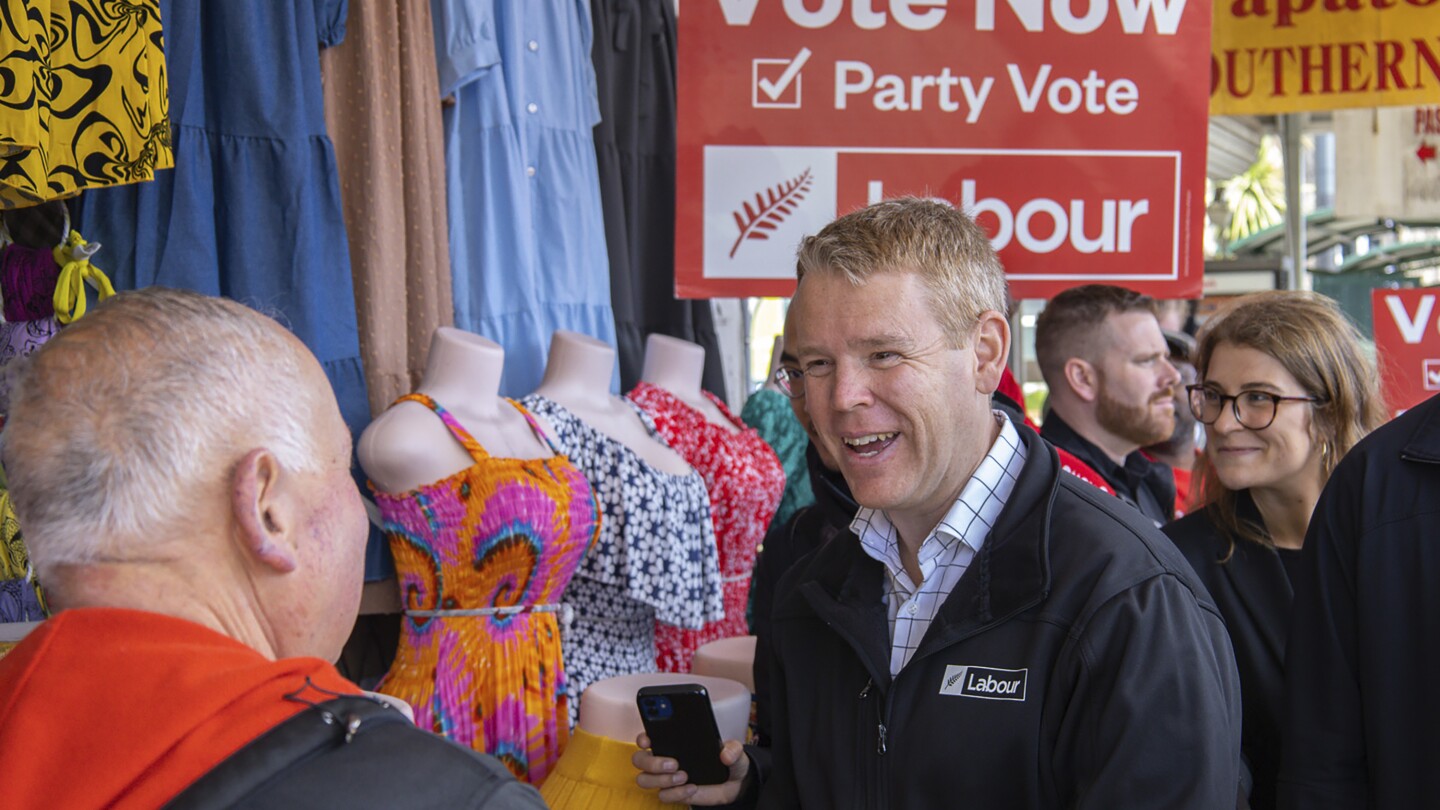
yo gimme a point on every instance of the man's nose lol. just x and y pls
(850, 388)
(1169, 375)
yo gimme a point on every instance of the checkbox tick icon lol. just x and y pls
(777, 83)
(1431, 378)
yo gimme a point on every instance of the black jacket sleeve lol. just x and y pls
(777, 782)
(1323, 761)
(778, 554)
(1155, 710)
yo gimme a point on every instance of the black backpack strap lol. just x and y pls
(311, 733)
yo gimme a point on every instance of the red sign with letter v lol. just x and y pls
(1407, 345)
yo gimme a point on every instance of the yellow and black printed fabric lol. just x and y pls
(21, 597)
(84, 101)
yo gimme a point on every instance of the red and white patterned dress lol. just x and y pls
(745, 481)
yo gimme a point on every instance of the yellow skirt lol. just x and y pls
(595, 773)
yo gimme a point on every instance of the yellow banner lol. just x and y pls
(1279, 56)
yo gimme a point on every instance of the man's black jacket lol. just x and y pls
(785, 544)
(1362, 665)
(1147, 485)
(356, 752)
(1077, 663)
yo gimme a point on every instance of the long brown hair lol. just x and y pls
(1309, 335)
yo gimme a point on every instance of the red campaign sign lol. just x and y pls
(1407, 344)
(1073, 129)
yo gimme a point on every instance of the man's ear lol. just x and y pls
(1083, 379)
(263, 515)
(992, 350)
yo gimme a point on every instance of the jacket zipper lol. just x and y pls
(870, 797)
(882, 775)
(880, 731)
(878, 793)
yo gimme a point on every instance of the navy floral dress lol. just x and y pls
(655, 559)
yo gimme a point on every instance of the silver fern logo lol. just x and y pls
(772, 207)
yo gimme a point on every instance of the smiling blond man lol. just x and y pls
(992, 632)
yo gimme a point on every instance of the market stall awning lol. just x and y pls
(1323, 231)
(1395, 256)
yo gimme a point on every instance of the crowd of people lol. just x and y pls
(973, 610)
(1141, 629)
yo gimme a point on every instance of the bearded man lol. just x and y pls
(1112, 391)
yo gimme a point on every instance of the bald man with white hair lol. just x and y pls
(182, 473)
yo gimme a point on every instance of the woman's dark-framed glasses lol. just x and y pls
(1254, 410)
(790, 381)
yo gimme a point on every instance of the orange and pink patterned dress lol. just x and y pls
(482, 558)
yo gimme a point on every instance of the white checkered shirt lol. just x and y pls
(947, 551)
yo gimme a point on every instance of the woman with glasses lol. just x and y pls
(1284, 391)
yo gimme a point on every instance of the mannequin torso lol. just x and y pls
(677, 366)
(743, 476)
(657, 517)
(577, 377)
(407, 446)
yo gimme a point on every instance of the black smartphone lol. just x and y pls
(680, 722)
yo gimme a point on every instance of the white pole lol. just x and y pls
(1296, 277)
(1017, 346)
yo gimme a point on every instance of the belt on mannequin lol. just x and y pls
(512, 610)
(566, 617)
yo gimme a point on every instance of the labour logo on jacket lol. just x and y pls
(987, 683)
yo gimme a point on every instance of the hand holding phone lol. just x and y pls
(680, 723)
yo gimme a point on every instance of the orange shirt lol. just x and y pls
(125, 709)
